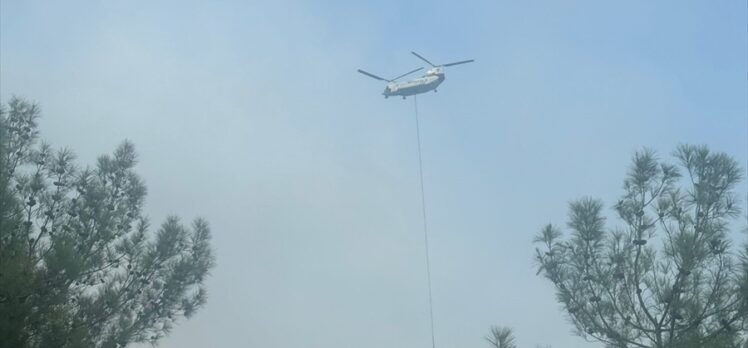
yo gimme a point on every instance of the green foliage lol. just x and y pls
(668, 277)
(501, 337)
(78, 267)
(743, 280)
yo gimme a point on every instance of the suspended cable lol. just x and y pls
(425, 224)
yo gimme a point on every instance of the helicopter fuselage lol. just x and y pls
(423, 84)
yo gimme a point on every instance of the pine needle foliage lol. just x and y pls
(501, 337)
(78, 265)
(668, 277)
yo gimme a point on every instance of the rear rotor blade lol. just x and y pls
(372, 75)
(407, 73)
(424, 59)
(460, 62)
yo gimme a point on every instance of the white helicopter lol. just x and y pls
(428, 82)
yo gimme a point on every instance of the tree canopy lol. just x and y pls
(78, 265)
(501, 337)
(668, 276)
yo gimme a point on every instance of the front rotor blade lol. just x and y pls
(407, 73)
(372, 75)
(424, 59)
(460, 62)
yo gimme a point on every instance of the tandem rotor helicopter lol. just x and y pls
(428, 82)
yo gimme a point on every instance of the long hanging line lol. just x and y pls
(425, 225)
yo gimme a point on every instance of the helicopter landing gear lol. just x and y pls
(403, 97)
(385, 97)
(435, 91)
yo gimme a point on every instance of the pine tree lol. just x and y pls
(668, 277)
(78, 266)
(744, 291)
(501, 337)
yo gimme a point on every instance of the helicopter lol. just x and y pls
(428, 82)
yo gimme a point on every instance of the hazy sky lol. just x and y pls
(251, 114)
